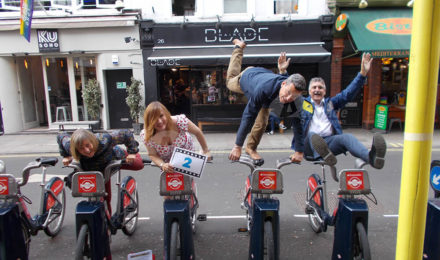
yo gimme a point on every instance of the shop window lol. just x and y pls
(58, 89)
(10, 5)
(183, 7)
(235, 6)
(394, 81)
(84, 69)
(182, 88)
(285, 6)
(47, 5)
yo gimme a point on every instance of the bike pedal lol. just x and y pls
(201, 217)
(309, 210)
(243, 229)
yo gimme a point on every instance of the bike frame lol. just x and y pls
(14, 214)
(178, 191)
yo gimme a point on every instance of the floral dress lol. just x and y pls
(183, 140)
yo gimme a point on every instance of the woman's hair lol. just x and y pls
(151, 115)
(77, 139)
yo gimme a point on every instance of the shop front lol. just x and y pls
(386, 35)
(185, 67)
(47, 75)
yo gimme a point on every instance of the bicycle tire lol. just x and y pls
(82, 250)
(361, 244)
(317, 199)
(26, 237)
(269, 241)
(54, 227)
(130, 226)
(174, 241)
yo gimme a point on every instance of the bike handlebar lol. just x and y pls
(285, 161)
(41, 161)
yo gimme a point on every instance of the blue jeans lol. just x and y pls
(273, 119)
(338, 144)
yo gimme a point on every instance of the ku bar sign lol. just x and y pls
(48, 40)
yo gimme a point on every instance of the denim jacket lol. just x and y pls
(331, 106)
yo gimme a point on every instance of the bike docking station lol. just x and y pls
(94, 222)
(16, 223)
(350, 218)
(431, 249)
(262, 210)
(180, 203)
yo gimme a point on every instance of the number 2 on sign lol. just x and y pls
(187, 163)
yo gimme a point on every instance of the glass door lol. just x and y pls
(84, 69)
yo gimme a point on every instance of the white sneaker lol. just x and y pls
(270, 133)
(283, 127)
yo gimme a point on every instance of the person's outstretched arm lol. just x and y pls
(283, 63)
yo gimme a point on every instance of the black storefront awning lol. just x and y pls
(253, 54)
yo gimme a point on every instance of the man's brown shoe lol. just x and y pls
(258, 161)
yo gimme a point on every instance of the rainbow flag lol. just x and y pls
(26, 10)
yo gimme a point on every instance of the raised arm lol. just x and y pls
(283, 63)
(366, 63)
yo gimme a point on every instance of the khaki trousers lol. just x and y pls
(233, 76)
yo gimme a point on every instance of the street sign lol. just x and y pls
(435, 178)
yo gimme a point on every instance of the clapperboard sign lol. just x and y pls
(188, 162)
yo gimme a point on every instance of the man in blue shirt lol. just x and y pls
(261, 86)
(321, 125)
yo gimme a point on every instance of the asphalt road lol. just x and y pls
(220, 193)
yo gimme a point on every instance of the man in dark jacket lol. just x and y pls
(323, 130)
(261, 87)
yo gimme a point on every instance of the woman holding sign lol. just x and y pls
(162, 132)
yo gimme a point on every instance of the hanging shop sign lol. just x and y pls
(48, 40)
(341, 22)
(381, 117)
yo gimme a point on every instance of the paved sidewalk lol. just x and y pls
(33, 143)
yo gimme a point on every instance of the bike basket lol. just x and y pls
(267, 181)
(174, 184)
(354, 182)
(8, 186)
(88, 184)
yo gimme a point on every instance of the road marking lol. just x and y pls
(300, 216)
(143, 218)
(37, 177)
(227, 217)
(391, 216)
(397, 145)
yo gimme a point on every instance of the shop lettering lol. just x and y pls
(47, 37)
(247, 34)
(395, 26)
(164, 62)
(397, 53)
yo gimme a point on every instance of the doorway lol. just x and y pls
(117, 82)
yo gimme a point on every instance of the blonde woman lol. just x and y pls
(162, 132)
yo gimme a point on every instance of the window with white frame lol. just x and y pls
(285, 6)
(14, 5)
(184, 7)
(234, 6)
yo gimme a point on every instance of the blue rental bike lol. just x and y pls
(16, 223)
(262, 210)
(94, 224)
(180, 211)
(350, 218)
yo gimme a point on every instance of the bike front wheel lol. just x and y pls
(313, 181)
(175, 241)
(131, 214)
(361, 244)
(56, 216)
(83, 250)
(26, 237)
(269, 241)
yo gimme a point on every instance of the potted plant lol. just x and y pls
(91, 95)
(134, 102)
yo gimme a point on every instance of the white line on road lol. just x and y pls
(391, 216)
(300, 216)
(226, 217)
(143, 218)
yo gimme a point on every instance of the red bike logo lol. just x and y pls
(4, 186)
(355, 180)
(267, 180)
(87, 183)
(174, 181)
